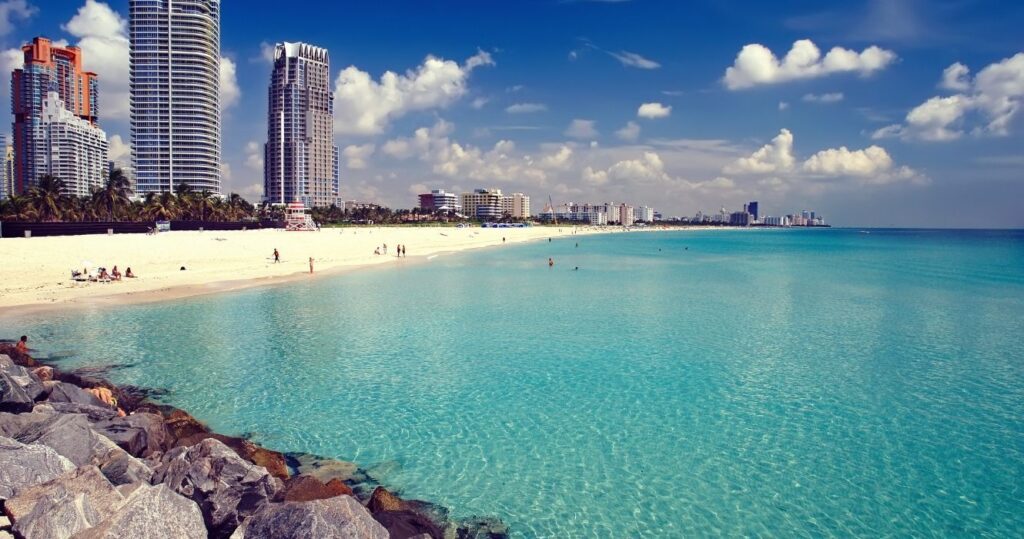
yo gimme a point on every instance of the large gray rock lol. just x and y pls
(94, 413)
(13, 397)
(153, 513)
(120, 468)
(341, 517)
(139, 434)
(12, 424)
(22, 466)
(63, 506)
(72, 436)
(226, 487)
(5, 362)
(64, 392)
(28, 381)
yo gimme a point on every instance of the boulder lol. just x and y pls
(24, 378)
(226, 487)
(304, 488)
(44, 373)
(5, 362)
(12, 424)
(139, 434)
(274, 462)
(182, 425)
(403, 518)
(72, 436)
(65, 392)
(94, 413)
(341, 516)
(482, 528)
(323, 469)
(63, 506)
(383, 500)
(120, 468)
(22, 466)
(13, 397)
(153, 512)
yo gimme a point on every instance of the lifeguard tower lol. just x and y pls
(297, 217)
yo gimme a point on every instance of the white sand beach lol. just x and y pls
(37, 271)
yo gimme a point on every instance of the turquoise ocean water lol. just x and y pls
(790, 383)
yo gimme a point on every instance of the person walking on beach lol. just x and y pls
(22, 345)
(385, 249)
(403, 251)
(277, 256)
(311, 265)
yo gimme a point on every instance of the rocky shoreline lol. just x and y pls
(83, 458)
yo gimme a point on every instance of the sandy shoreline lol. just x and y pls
(37, 276)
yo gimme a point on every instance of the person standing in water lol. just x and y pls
(551, 262)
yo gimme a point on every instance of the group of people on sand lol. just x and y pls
(383, 250)
(103, 275)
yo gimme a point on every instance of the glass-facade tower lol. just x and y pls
(175, 94)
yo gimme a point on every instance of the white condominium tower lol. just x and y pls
(300, 158)
(70, 148)
(175, 94)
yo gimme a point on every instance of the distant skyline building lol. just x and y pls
(751, 208)
(70, 148)
(493, 204)
(439, 200)
(7, 172)
(175, 94)
(46, 67)
(300, 158)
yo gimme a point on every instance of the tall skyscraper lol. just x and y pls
(46, 68)
(300, 158)
(175, 94)
(752, 209)
(70, 148)
(7, 172)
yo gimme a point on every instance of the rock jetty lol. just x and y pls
(82, 458)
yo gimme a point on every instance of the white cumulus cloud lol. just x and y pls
(356, 155)
(984, 105)
(756, 64)
(364, 106)
(654, 111)
(254, 155)
(14, 10)
(630, 132)
(230, 93)
(103, 37)
(581, 129)
(776, 156)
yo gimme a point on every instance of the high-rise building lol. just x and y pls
(516, 205)
(644, 214)
(492, 204)
(300, 158)
(439, 200)
(175, 94)
(7, 172)
(46, 67)
(70, 148)
(752, 209)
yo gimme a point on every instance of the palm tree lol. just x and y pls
(18, 208)
(48, 197)
(162, 207)
(114, 194)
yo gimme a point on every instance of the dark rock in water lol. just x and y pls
(482, 528)
(378, 472)
(153, 513)
(273, 461)
(341, 516)
(22, 466)
(65, 392)
(182, 425)
(304, 488)
(18, 357)
(226, 487)
(13, 397)
(63, 506)
(383, 500)
(406, 524)
(94, 413)
(139, 434)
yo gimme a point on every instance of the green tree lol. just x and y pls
(48, 197)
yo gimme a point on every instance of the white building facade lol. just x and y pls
(300, 158)
(175, 94)
(70, 148)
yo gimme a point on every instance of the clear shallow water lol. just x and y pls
(796, 383)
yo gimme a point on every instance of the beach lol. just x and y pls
(38, 270)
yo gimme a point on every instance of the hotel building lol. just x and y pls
(439, 200)
(300, 158)
(70, 148)
(492, 204)
(175, 94)
(46, 67)
(7, 172)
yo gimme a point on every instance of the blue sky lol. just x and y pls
(914, 120)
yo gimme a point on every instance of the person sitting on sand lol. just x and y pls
(115, 274)
(104, 276)
(128, 273)
(376, 251)
(22, 345)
